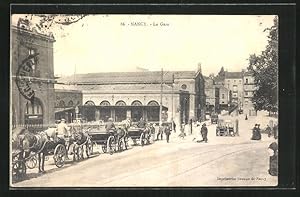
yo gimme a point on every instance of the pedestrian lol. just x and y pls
(191, 125)
(174, 126)
(275, 131)
(269, 131)
(167, 132)
(204, 132)
(182, 133)
(246, 118)
(256, 135)
(160, 132)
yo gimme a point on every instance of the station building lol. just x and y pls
(136, 95)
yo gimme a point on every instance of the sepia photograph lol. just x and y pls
(143, 100)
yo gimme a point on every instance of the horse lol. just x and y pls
(79, 138)
(121, 134)
(35, 143)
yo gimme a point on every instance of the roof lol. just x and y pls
(126, 77)
(233, 75)
(248, 73)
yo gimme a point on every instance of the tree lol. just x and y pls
(265, 72)
(48, 23)
(221, 72)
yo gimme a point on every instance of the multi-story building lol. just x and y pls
(139, 94)
(234, 82)
(32, 78)
(249, 88)
(210, 93)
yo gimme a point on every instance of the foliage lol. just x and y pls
(49, 23)
(264, 68)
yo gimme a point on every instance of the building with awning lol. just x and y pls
(120, 95)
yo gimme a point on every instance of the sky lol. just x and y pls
(100, 43)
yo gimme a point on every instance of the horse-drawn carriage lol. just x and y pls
(110, 142)
(30, 148)
(143, 135)
(225, 128)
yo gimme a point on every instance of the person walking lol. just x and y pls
(182, 133)
(167, 133)
(174, 126)
(191, 126)
(269, 131)
(204, 132)
(160, 132)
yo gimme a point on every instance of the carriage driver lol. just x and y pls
(110, 126)
(63, 132)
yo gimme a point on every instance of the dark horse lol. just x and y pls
(80, 138)
(35, 143)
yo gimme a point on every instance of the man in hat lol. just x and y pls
(142, 123)
(62, 129)
(63, 132)
(204, 132)
(168, 132)
(110, 126)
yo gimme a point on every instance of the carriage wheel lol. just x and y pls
(89, 148)
(142, 139)
(19, 169)
(31, 163)
(104, 148)
(111, 145)
(59, 155)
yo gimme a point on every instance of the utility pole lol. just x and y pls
(161, 92)
(172, 102)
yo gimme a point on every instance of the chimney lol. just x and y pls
(199, 68)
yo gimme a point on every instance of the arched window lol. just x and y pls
(62, 104)
(153, 103)
(120, 103)
(34, 114)
(70, 103)
(90, 103)
(136, 103)
(104, 103)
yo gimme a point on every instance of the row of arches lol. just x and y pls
(122, 103)
(62, 104)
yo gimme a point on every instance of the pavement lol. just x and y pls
(223, 161)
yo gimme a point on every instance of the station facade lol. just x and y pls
(136, 95)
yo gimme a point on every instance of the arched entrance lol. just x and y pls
(153, 111)
(120, 111)
(105, 110)
(137, 111)
(89, 112)
(34, 115)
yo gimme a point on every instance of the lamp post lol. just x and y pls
(161, 92)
